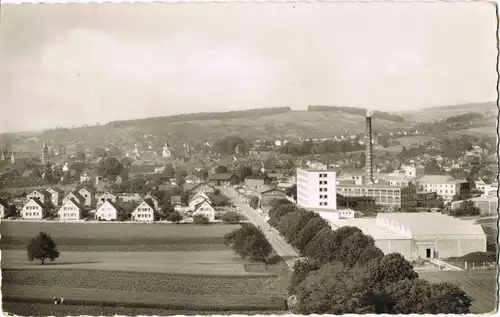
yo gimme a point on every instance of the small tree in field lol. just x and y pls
(42, 247)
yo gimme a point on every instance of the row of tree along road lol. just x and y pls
(345, 273)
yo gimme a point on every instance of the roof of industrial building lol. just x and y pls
(375, 185)
(432, 223)
(439, 179)
(321, 170)
(369, 227)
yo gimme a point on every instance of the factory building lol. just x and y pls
(316, 189)
(445, 186)
(420, 235)
(392, 197)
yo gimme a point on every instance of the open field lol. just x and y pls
(128, 265)
(488, 130)
(480, 285)
(42, 309)
(144, 299)
(223, 262)
(145, 282)
(408, 141)
(134, 234)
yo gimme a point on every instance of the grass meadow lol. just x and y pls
(147, 267)
(480, 285)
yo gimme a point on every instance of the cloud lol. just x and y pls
(94, 74)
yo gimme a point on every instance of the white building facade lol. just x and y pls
(33, 209)
(70, 210)
(316, 188)
(143, 212)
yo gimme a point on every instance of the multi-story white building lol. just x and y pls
(316, 188)
(445, 186)
(394, 197)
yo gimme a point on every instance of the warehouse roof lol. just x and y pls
(439, 179)
(431, 223)
(369, 227)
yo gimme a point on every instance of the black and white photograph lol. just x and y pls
(249, 158)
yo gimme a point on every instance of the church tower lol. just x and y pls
(166, 151)
(45, 152)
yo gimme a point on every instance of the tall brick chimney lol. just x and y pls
(369, 149)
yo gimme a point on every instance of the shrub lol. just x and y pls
(254, 202)
(200, 219)
(231, 217)
(174, 217)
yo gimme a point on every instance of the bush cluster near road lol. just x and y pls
(249, 242)
(346, 273)
(231, 217)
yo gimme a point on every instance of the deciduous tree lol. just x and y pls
(387, 270)
(175, 217)
(307, 232)
(254, 202)
(331, 290)
(42, 247)
(301, 269)
(249, 242)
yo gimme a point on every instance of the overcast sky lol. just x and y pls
(64, 65)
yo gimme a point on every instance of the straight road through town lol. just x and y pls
(284, 250)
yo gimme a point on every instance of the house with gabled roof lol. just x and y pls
(203, 187)
(256, 181)
(223, 179)
(76, 196)
(196, 199)
(106, 196)
(108, 210)
(70, 210)
(266, 196)
(40, 194)
(56, 195)
(153, 199)
(89, 196)
(143, 212)
(192, 179)
(33, 209)
(204, 208)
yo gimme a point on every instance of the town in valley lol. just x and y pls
(191, 168)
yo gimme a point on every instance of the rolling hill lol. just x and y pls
(264, 123)
(431, 114)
